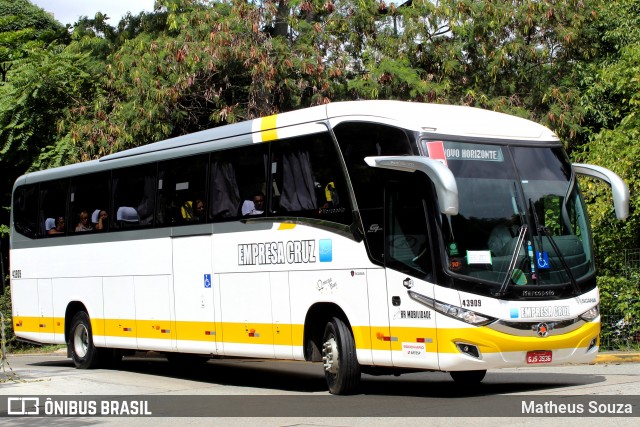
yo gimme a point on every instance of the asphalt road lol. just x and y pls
(243, 391)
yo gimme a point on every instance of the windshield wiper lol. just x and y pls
(512, 264)
(542, 229)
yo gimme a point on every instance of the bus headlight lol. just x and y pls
(591, 314)
(459, 313)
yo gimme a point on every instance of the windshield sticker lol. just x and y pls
(518, 277)
(463, 151)
(453, 249)
(478, 257)
(542, 260)
(436, 151)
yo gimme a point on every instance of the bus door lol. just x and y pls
(409, 271)
(193, 289)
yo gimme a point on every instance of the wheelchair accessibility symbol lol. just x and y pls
(207, 281)
(542, 260)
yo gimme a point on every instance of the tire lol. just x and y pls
(468, 377)
(85, 355)
(341, 368)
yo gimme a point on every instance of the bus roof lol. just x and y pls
(440, 119)
(437, 118)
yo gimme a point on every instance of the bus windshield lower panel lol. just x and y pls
(522, 221)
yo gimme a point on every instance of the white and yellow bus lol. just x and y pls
(374, 236)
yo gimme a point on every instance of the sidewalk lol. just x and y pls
(615, 357)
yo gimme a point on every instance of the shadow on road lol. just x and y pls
(306, 377)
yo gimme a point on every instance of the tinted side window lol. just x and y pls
(134, 191)
(25, 210)
(53, 208)
(238, 179)
(308, 180)
(182, 191)
(88, 198)
(359, 140)
(406, 229)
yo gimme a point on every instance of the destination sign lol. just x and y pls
(481, 152)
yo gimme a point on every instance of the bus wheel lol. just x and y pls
(341, 368)
(83, 352)
(468, 377)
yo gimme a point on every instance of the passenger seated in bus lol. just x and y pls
(99, 220)
(49, 224)
(255, 206)
(54, 226)
(83, 223)
(126, 216)
(331, 195)
(192, 211)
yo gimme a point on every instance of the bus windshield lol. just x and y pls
(521, 221)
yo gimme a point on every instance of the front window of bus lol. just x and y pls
(521, 221)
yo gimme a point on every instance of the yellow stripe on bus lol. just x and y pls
(491, 341)
(268, 128)
(286, 226)
(365, 337)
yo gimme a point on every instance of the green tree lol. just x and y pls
(24, 26)
(611, 101)
(212, 64)
(514, 56)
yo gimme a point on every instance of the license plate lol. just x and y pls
(542, 356)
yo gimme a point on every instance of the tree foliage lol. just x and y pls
(611, 99)
(24, 27)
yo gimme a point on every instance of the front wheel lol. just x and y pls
(341, 368)
(85, 355)
(468, 377)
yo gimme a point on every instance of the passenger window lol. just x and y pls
(358, 140)
(53, 208)
(308, 179)
(181, 191)
(238, 182)
(25, 210)
(133, 197)
(89, 196)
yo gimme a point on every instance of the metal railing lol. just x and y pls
(618, 333)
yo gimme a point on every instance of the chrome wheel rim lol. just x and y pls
(80, 341)
(330, 356)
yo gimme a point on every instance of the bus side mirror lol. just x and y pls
(440, 175)
(618, 186)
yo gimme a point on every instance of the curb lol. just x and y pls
(625, 357)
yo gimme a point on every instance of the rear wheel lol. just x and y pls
(341, 368)
(84, 354)
(468, 377)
